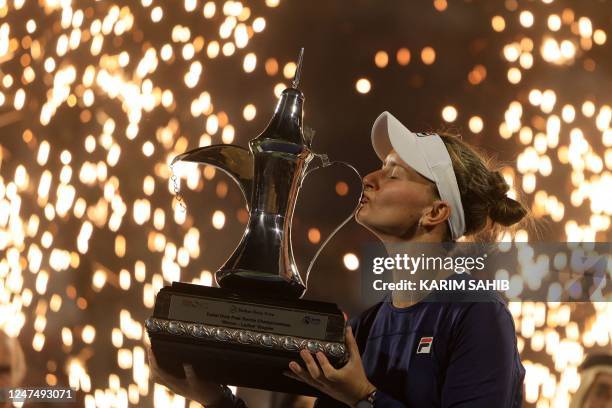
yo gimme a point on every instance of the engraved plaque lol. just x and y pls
(248, 316)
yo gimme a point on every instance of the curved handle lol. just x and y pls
(235, 161)
(326, 163)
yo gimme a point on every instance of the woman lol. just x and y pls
(414, 353)
(12, 365)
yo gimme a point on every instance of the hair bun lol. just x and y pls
(504, 210)
(499, 187)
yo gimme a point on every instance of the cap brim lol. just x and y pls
(388, 134)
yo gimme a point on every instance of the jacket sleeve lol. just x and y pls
(484, 368)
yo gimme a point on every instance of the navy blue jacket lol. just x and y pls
(439, 354)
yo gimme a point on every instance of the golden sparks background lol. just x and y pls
(97, 97)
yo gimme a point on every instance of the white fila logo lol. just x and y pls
(424, 346)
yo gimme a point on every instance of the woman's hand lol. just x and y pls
(348, 384)
(190, 387)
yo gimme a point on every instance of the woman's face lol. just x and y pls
(394, 199)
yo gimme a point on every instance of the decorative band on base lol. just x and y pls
(242, 336)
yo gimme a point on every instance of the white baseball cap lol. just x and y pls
(426, 154)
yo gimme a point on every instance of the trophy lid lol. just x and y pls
(285, 129)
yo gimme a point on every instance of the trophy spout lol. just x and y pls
(235, 161)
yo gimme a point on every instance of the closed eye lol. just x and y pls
(393, 171)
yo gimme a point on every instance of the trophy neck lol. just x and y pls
(285, 127)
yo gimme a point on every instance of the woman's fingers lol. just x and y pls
(168, 380)
(152, 361)
(155, 370)
(311, 365)
(159, 375)
(190, 375)
(300, 373)
(295, 367)
(328, 369)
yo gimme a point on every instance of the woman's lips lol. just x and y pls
(364, 200)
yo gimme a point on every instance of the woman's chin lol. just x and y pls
(362, 217)
(359, 215)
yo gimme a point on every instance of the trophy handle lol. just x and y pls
(233, 160)
(325, 162)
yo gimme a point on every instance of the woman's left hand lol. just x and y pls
(348, 384)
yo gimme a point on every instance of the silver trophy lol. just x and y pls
(246, 332)
(269, 174)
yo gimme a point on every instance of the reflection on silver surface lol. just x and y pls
(233, 160)
(269, 174)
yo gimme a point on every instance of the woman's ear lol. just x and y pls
(437, 213)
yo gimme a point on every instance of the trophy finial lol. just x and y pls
(298, 70)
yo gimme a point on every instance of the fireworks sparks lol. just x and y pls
(90, 57)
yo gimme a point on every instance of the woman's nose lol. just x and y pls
(369, 181)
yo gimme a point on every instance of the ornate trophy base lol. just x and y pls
(242, 340)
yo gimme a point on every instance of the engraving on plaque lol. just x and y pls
(270, 319)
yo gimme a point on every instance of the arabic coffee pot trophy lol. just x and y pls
(245, 332)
